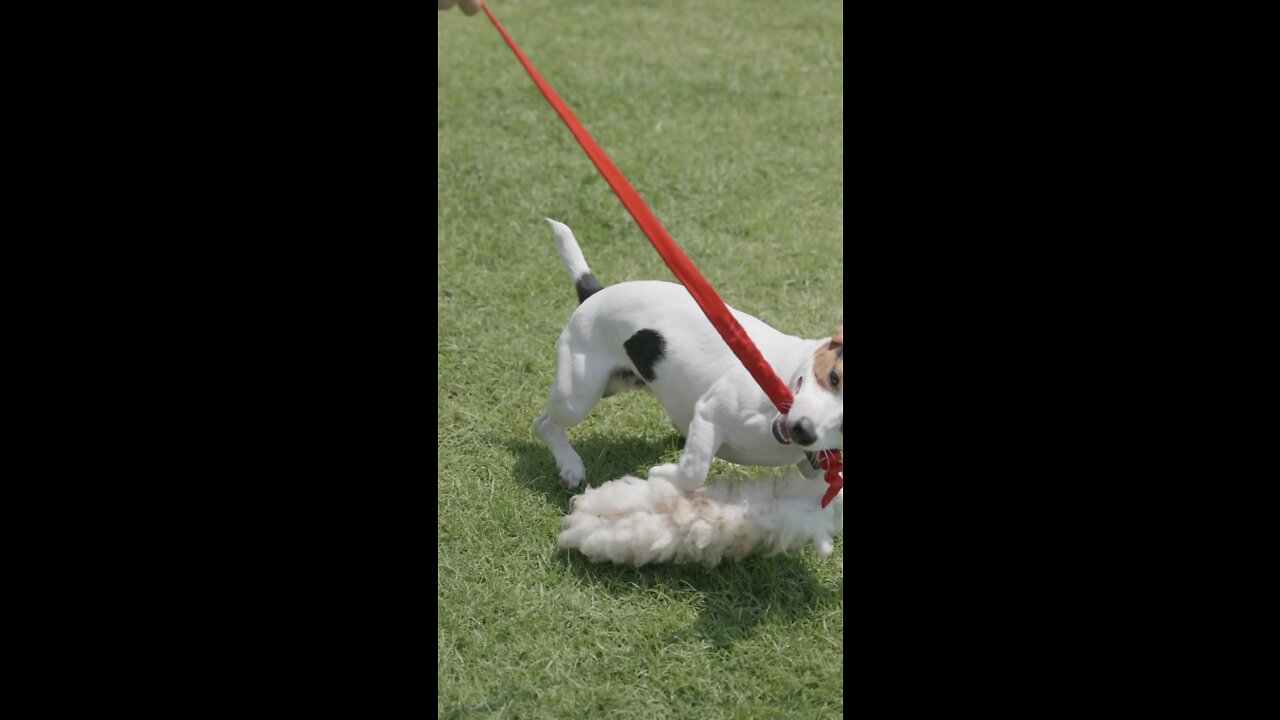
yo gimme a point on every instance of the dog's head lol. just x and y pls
(816, 418)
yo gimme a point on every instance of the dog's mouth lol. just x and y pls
(780, 432)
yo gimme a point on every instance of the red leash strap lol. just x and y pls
(685, 271)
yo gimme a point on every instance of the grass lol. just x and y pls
(727, 116)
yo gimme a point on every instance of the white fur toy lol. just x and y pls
(636, 522)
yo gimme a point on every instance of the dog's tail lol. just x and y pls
(567, 246)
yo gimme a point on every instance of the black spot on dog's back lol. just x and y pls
(645, 349)
(587, 286)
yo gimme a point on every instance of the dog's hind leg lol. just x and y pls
(580, 382)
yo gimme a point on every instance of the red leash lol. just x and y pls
(685, 271)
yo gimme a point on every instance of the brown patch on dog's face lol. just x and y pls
(828, 364)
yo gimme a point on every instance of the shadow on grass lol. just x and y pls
(607, 457)
(734, 597)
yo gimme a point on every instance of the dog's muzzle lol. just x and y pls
(787, 433)
(802, 432)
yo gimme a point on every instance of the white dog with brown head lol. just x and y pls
(652, 335)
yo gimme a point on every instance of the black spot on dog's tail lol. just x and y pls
(587, 285)
(571, 254)
(645, 349)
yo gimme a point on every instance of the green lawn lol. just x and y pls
(727, 116)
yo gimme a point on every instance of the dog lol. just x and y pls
(651, 335)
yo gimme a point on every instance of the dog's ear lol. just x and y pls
(837, 337)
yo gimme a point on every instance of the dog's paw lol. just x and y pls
(572, 475)
(689, 484)
(668, 472)
(671, 473)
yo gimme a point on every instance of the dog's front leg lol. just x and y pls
(702, 441)
(699, 449)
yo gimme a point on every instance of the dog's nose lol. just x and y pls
(802, 432)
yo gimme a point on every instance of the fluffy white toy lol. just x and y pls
(635, 522)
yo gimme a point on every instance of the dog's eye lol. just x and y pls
(835, 379)
(799, 382)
